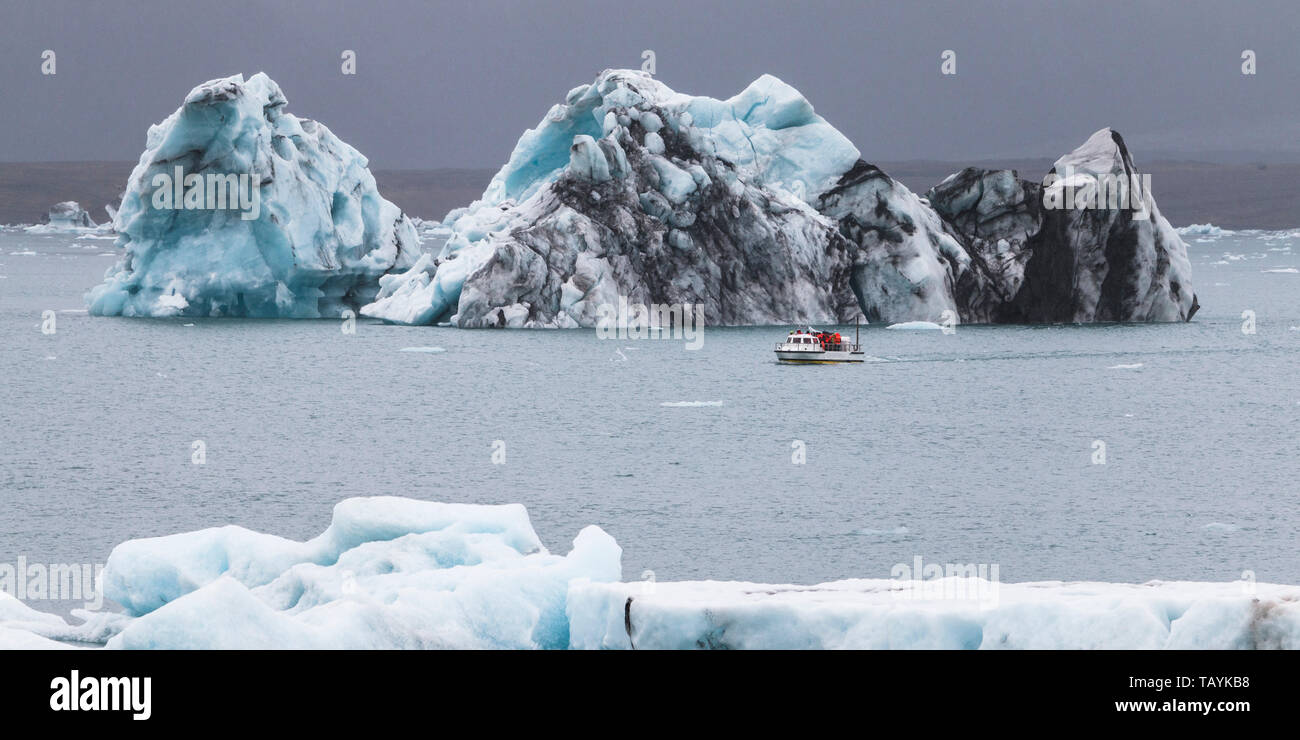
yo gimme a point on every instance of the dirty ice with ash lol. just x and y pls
(754, 207)
(759, 210)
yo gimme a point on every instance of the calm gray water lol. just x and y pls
(970, 448)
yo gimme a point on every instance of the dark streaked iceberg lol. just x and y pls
(758, 210)
(994, 213)
(1104, 264)
(908, 263)
(630, 190)
(1088, 245)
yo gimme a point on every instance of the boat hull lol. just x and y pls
(832, 357)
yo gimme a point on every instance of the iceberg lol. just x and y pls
(392, 572)
(1104, 264)
(1061, 251)
(628, 188)
(69, 214)
(239, 208)
(67, 217)
(759, 210)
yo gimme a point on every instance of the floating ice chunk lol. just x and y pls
(1283, 270)
(1133, 366)
(67, 217)
(70, 213)
(430, 350)
(890, 531)
(144, 574)
(916, 326)
(170, 304)
(690, 404)
(1203, 230)
(387, 573)
(440, 589)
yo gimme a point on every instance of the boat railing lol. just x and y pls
(828, 347)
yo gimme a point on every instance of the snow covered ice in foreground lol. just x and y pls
(398, 573)
(239, 208)
(880, 614)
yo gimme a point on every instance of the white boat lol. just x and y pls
(809, 346)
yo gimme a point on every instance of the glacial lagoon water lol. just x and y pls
(975, 447)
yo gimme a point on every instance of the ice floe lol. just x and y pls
(399, 573)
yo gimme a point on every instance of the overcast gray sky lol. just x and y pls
(453, 84)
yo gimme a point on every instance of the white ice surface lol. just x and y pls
(387, 573)
(879, 614)
(398, 573)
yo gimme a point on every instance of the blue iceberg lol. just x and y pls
(239, 208)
